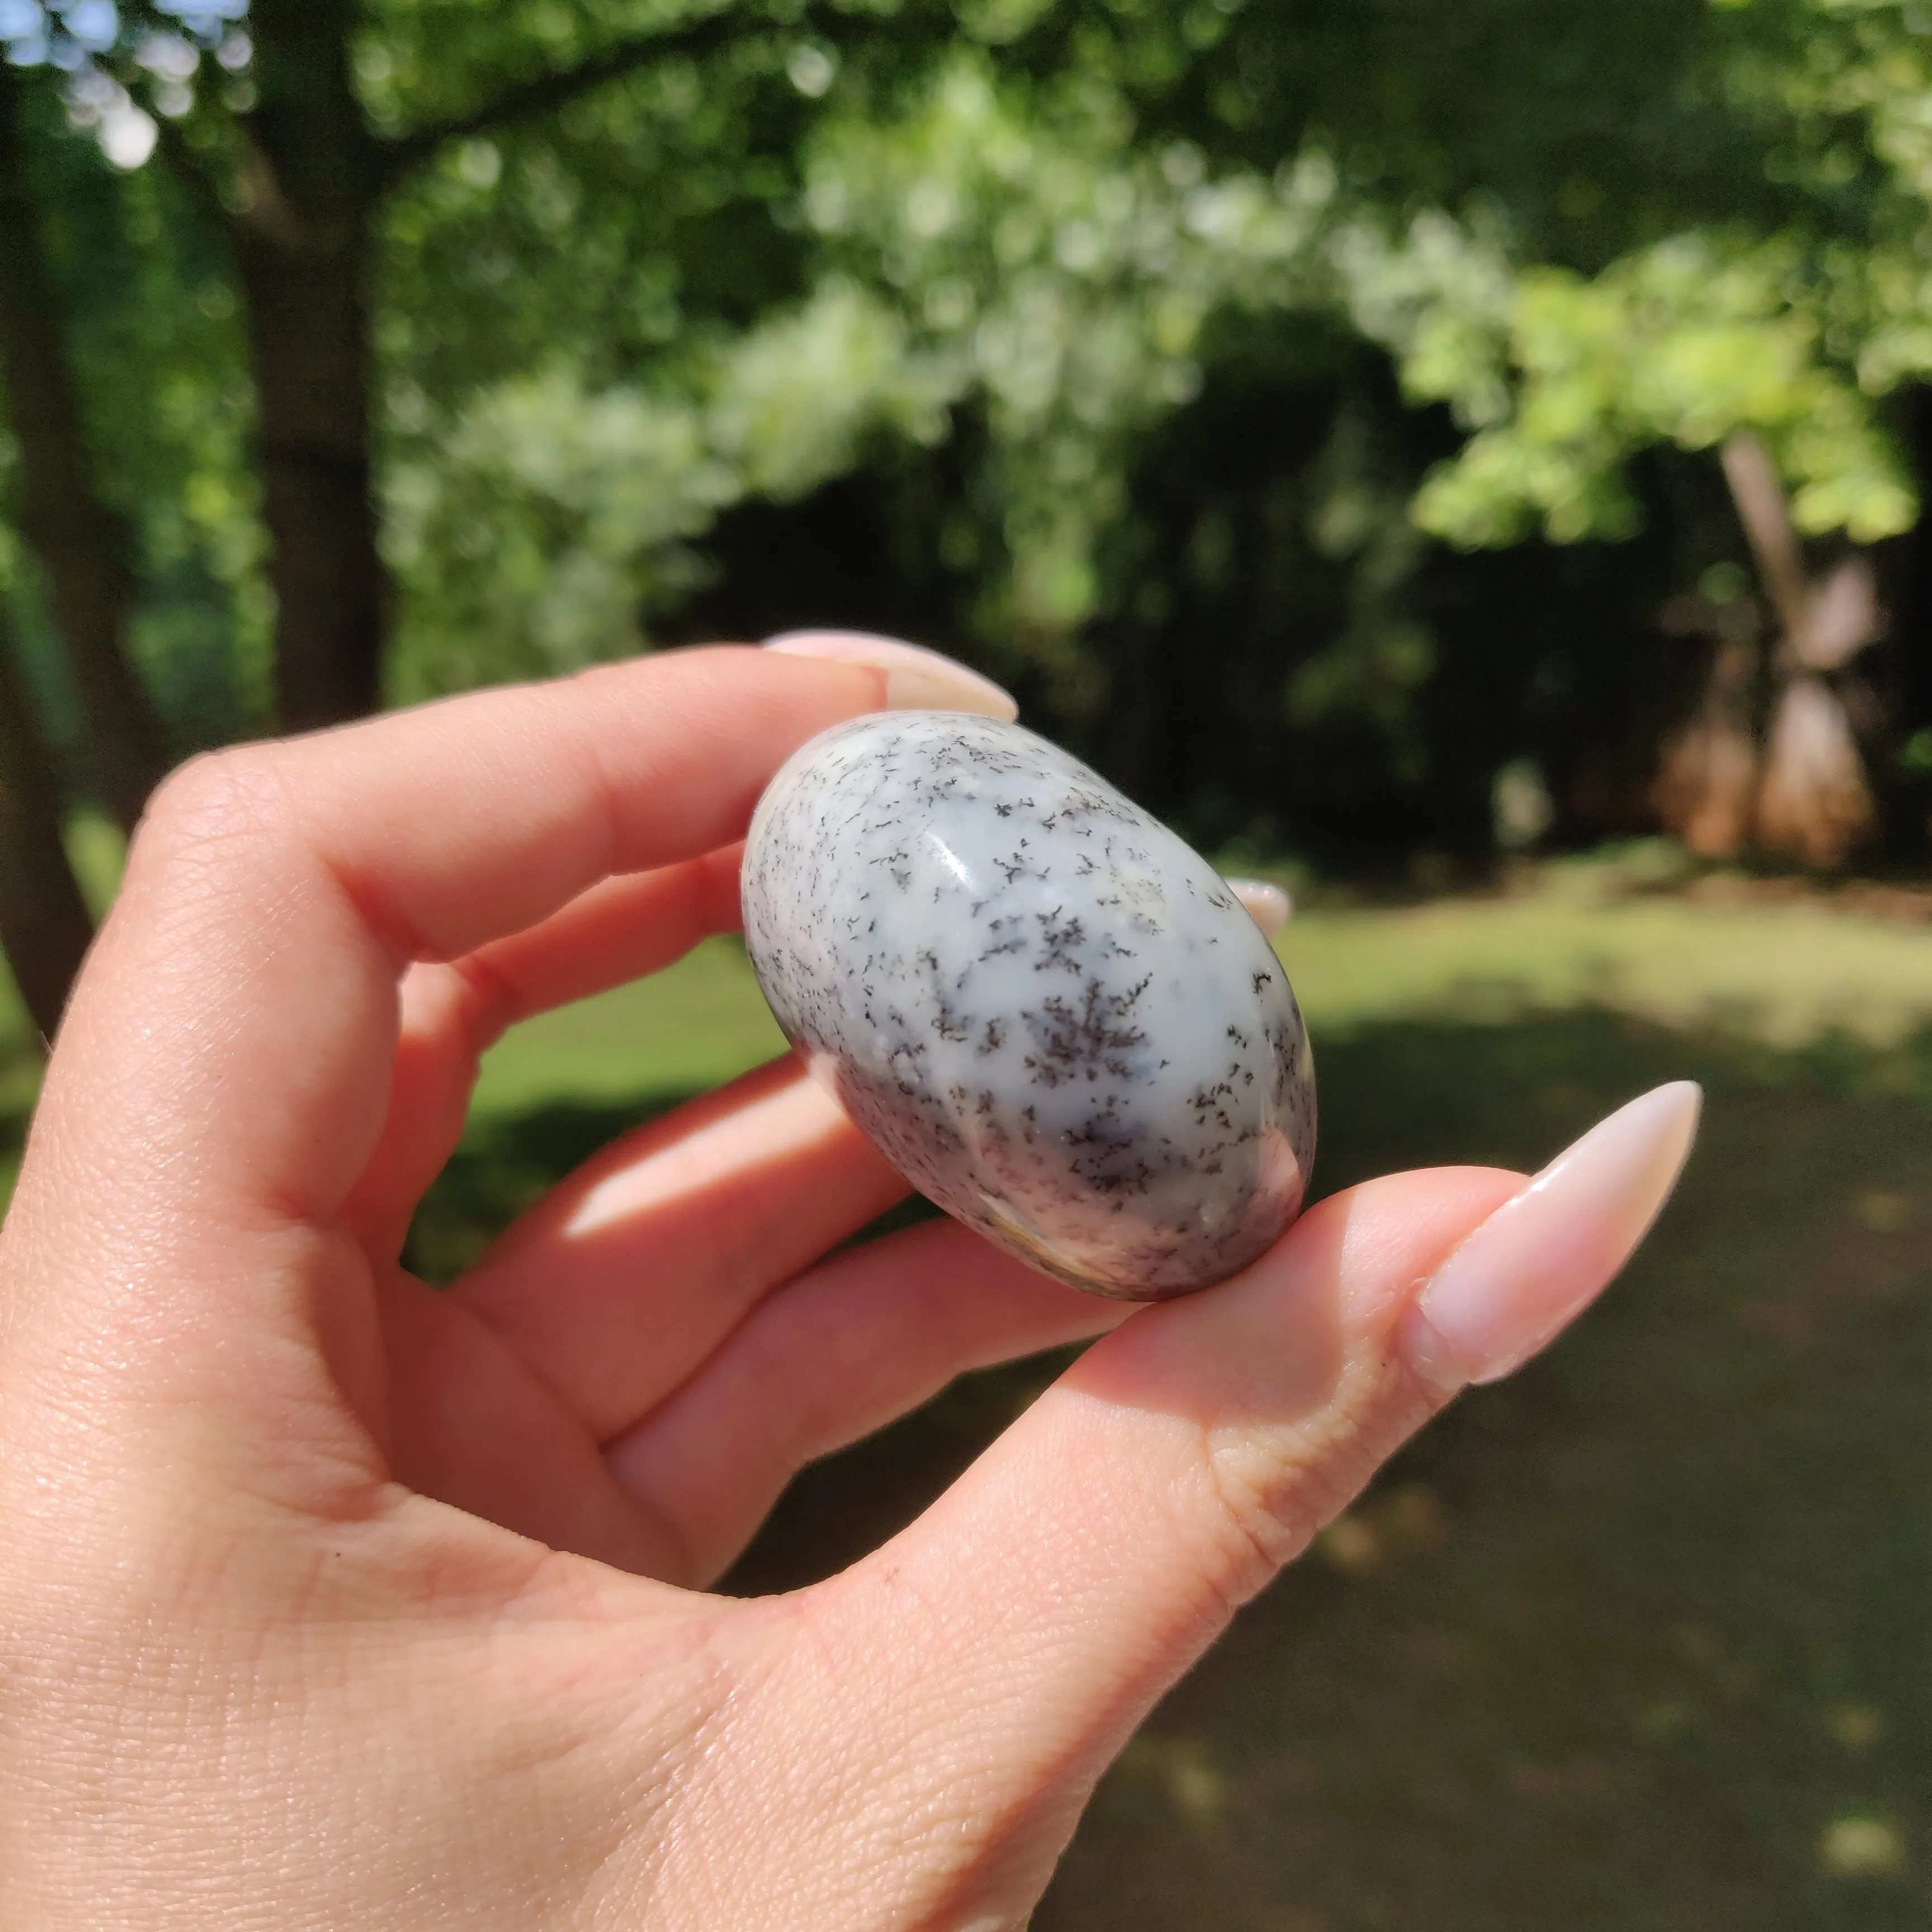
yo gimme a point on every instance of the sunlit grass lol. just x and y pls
(696, 1025)
(1783, 975)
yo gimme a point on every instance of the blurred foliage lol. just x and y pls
(154, 330)
(1176, 363)
(1091, 310)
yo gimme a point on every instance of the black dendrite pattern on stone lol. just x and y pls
(1085, 1041)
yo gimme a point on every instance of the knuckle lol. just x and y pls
(1272, 1492)
(220, 803)
(1261, 1523)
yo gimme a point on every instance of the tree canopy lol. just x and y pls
(1132, 348)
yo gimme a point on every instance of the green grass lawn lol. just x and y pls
(1638, 1640)
(1786, 975)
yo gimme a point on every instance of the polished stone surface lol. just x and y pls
(1053, 1016)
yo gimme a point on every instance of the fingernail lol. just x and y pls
(1268, 906)
(917, 679)
(1542, 1258)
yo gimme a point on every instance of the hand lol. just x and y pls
(327, 1600)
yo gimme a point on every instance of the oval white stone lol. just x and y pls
(1052, 1016)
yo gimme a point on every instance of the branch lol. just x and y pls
(254, 205)
(185, 164)
(1759, 499)
(532, 99)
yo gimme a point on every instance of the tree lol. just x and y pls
(44, 922)
(288, 161)
(300, 176)
(1040, 247)
(84, 546)
(1803, 791)
(557, 291)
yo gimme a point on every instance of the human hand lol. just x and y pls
(328, 1600)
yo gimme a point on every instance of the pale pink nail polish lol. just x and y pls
(1542, 1257)
(1268, 906)
(917, 679)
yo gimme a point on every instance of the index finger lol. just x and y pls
(228, 1050)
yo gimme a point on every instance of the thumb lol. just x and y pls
(1004, 1647)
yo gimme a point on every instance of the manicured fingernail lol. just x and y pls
(917, 679)
(1268, 906)
(1542, 1257)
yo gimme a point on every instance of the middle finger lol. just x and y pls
(622, 1280)
(621, 928)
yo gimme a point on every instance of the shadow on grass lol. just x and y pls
(1638, 1640)
(506, 1165)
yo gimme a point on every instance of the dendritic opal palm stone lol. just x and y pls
(1051, 1016)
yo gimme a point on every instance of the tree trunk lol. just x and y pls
(302, 248)
(85, 549)
(1813, 801)
(43, 921)
(302, 215)
(1709, 772)
(307, 335)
